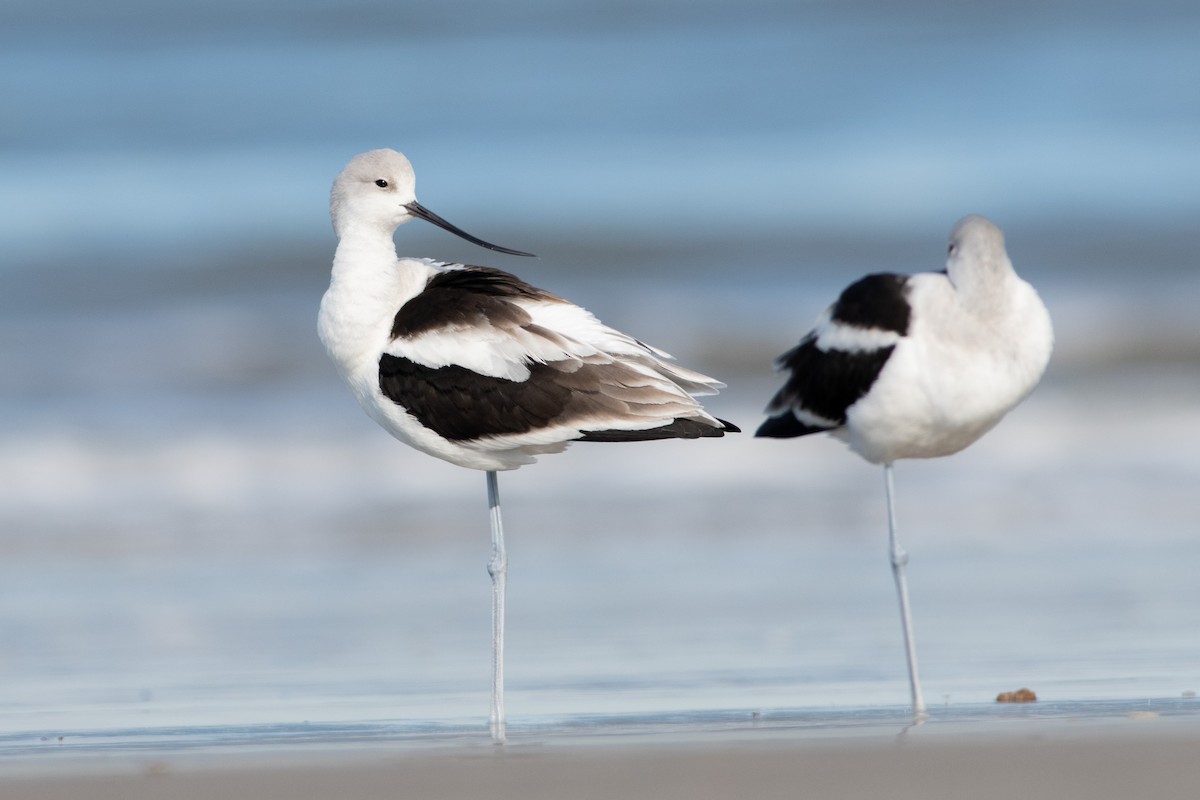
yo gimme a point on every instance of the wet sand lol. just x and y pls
(1135, 757)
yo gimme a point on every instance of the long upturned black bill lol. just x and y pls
(418, 210)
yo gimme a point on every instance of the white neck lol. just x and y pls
(367, 287)
(363, 248)
(985, 289)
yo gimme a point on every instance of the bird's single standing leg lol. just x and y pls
(498, 569)
(899, 560)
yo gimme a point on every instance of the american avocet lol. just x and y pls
(477, 367)
(917, 366)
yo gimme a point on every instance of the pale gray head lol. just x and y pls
(976, 234)
(976, 253)
(377, 190)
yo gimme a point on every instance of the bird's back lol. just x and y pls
(487, 371)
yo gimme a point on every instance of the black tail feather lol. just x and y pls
(785, 426)
(679, 429)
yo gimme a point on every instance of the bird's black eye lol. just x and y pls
(953, 247)
(381, 183)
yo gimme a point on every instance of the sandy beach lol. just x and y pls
(1124, 766)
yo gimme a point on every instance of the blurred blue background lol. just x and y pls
(198, 525)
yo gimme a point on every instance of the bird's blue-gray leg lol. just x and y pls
(899, 560)
(498, 569)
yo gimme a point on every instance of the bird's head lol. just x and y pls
(377, 190)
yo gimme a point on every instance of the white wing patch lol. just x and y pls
(832, 335)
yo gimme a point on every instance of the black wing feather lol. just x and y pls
(460, 404)
(467, 296)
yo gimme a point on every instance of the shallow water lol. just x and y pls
(157, 751)
(644, 580)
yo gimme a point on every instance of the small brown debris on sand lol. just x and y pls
(1019, 696)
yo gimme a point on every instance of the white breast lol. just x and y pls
(955, 375)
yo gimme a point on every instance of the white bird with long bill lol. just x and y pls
(477, 367)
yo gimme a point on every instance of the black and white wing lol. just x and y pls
(480, 355)
(838, 362)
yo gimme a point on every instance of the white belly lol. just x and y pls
(939, 393)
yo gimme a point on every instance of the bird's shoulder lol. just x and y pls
(879, 301)
(489, 281)
(462, 295)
